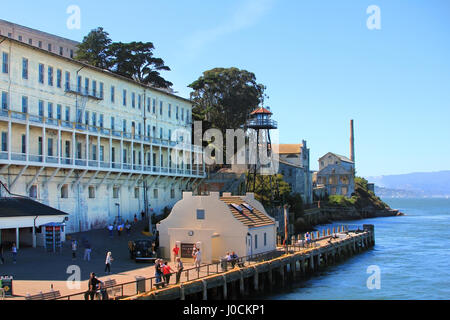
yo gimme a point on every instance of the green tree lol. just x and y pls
(94, 49)
(135, 60)
(295, 202)
(271, 190)
(224, 97)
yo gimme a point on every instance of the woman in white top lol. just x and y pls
(108, 261)
(198, 258)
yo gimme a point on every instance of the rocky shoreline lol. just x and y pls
(326, 215)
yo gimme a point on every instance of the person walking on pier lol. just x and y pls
(175, 251)
(108, 261)
(87, 251)
(110, 229)
(128, 227)
(179, 269)
(198, 258)
(74, 249)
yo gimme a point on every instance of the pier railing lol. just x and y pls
(141, 285)
(147, 284)
(298, 242)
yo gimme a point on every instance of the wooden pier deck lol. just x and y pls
(261, 277)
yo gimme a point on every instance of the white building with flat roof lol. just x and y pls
(89, 142)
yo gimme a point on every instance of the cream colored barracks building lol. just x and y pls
(88, 142)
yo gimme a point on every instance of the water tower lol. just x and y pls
(260, 121)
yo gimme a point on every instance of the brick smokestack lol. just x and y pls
(352, 142)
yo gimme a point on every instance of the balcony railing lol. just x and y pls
(84, 164)
(83, 91)
(19, 116)
(262, 123)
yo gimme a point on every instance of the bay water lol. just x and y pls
(411, 253)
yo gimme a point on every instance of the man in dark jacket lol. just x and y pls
(93, 286)
(158, 273)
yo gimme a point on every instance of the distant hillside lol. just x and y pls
(397, 193)
(413, 185)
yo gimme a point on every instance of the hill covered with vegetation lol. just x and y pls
(362, 198)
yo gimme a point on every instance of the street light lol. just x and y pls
(118, 213)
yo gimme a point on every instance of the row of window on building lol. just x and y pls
(97, 91)
(64, 193)
(40, 44)
(93, 155)
(91, 118)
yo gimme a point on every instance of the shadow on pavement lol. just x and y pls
(37, 264)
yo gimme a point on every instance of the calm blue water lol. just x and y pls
(412, 252)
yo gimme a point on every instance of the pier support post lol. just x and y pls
(205, 290)
(302, 266)
(263, 281)
(241, 283)
(270, 276)
(282, 275)
(293, 269)
(182, 295)
(225, 293)
(255, 279)
(319, 260)
(311, 262)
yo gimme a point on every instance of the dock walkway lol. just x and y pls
(261, 276)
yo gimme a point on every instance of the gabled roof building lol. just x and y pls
(337, 174)
(217, 225)
(295, 168)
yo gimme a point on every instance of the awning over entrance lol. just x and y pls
(23, 207)
(21, 212)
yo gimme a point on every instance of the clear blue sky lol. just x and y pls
(321, 64)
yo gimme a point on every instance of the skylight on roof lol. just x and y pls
(249, 207)
(237, 207)
(240, 210)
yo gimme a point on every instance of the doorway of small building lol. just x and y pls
(216, 246)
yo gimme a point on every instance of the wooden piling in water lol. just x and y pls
(225, 289)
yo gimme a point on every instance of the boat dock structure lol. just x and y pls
(260, 275)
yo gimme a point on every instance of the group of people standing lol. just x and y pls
(13, 253)
(163, 271)
(196, 254)
(120, 227)
(87, 249)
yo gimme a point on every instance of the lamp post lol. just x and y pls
(249, 244)
(118, 213)
(286, 226)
